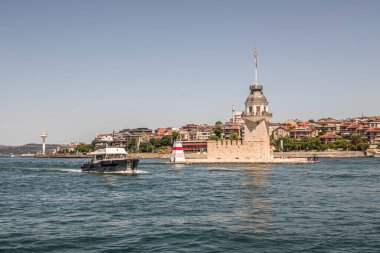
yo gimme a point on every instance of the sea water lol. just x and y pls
(49, 205)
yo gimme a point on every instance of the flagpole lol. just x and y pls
(255, 54)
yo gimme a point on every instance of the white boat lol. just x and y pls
(27, 155)
(110, 159)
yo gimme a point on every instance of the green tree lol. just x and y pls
(311, 143)
(155, 142)
(342, 144)
(146, 147)
(63, 151)
(324, 147)
(132, 145)
(289, 144)
(218, 129)
(331, 145)
(358, 143)
(362, 146)
(234, 137)
(213, 138)
(175, 135)
(83, 148)
(166, 140)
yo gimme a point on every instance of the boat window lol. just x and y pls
(99, 157)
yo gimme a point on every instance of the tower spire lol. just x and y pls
(233, 113)
(255, 55)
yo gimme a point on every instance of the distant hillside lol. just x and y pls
(31, 148)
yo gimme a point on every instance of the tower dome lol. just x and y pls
(256, 95)
(256, 103)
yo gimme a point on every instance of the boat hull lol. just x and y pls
(111, 165)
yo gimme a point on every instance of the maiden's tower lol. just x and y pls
(255, 144)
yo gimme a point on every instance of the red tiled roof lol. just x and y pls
(330, 135)
(161, 130)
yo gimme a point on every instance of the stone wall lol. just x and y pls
(227, 150)
(256, 130)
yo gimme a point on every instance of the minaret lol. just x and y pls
(43, 136)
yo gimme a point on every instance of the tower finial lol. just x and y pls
(233, 113)
(255, 55)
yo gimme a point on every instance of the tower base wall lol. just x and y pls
(226, 150)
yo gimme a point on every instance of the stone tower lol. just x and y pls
(256, 118)
(256, 122)
(255, 146)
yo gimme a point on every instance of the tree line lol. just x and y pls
(154, 145)
(349, 143)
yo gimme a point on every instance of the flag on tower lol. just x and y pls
(255, 54)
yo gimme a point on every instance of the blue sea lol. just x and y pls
(49, 205)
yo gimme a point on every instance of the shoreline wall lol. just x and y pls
(302, 154)
(326, 154)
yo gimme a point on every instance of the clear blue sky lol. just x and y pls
(77, 68)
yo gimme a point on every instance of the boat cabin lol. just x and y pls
(109, 154)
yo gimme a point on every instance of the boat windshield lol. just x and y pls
(110, 156)
(99, 157)
(116, 156)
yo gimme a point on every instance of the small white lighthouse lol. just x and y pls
(177, 153)
(43, 136)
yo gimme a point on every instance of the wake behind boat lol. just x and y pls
(110, 159)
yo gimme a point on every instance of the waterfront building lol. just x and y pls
(184, 135)
(194, 146)
(301, 132)
(196, 132)
(374, 121)
(230, 128)
(143, 132)
(280, 132)
(373, 135)
(160, 132)
(203, 134)
(190, 127)
(110, 140)
(329, 125)
(330, 137)
(351, 128)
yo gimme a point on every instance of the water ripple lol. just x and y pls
(49, 205)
